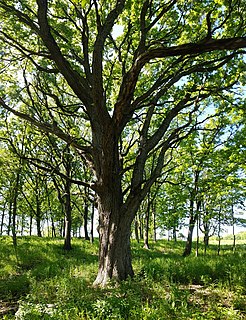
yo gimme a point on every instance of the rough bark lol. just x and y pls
(114, 220)
(115, 260)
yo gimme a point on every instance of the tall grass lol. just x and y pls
(41, 281)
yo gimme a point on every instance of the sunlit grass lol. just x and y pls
(47, 282)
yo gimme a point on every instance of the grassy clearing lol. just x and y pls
(41, 281)
(228, 242)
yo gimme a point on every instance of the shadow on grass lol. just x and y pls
(12, 288)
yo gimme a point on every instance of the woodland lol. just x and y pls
(122, 122)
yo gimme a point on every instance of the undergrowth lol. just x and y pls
(42, 281)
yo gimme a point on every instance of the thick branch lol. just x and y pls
(103, 31)
(130, 79)
(76, 81)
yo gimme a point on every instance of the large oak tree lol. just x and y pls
(133, 77)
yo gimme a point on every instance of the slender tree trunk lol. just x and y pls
(92, 222)
(53, 229)
(219, 230)
(2, 219)
(206, 242)
(141, 227)
(22, 224)
(233, 229)
(154, 221)
(146, 229)
(10, 217)
(38, 213)
(65, 201)
(86, 212)
(206, 237)
(197, 239)
(136, 229)
(175, 234)
(61, 229)
(14, 216)
(198, 206)
(30, 226)
(68, 217)
(38, 218)
(234, 238)
(188, 246)
(219, 238)
(86, 225)
(48, 226)
(192, 221)
(39, 231)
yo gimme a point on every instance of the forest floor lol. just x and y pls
(39, 280)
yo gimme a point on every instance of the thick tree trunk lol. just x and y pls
(115, 219)
(114, 233)
(115, 260)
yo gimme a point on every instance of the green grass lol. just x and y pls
(41, 281)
